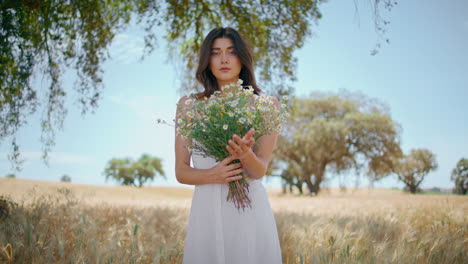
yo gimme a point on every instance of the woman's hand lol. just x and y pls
(240, 148)
(224, 172)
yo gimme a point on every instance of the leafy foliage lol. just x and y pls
(47, 37)
(50, 36)
(274, 29)
(460, 176)
(6, 205)
(337, 133)
(135, 173)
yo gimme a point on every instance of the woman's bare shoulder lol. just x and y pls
(274, 99)
(185, 98)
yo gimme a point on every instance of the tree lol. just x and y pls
(460, 176)
(47, 37)
(50, 36)
(136, 173)
(291, 176)
(337, 133)
(411, 169)
(65, 178)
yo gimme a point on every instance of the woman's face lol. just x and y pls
(224, 63)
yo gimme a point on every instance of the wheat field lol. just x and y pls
(72, 223)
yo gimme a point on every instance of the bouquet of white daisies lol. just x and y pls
(233, 110)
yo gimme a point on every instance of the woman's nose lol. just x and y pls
(224, 58)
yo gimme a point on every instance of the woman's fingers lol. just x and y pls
(234, 172)
(250, 142)
(225, 165)
(229, 172)
(233, 175)
(234, 178)
(236, 141)
(249, 134)
(231, 151)
(225, 172)
(236, 149)
(238, 144)
(228, 160)
(234, 166)
(247, 141)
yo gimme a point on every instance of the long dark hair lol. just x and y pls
(204, 74)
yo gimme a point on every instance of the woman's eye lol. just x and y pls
(214, 53)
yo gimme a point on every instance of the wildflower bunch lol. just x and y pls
(235, 109)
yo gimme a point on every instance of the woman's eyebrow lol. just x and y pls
(220, 48)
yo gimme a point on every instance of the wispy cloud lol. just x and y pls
(127, 49)
(54, 157)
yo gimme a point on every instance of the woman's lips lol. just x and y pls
(225, 69)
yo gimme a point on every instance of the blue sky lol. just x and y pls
(420, 75)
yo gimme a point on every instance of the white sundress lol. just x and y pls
(219, 233)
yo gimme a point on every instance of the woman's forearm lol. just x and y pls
(253, 165)
(192, 176)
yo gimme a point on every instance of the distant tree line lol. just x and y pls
(344, 132)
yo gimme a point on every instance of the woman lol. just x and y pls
(217, 231)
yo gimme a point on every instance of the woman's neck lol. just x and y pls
(222, 83)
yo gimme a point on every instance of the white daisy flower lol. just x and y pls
(225, 127)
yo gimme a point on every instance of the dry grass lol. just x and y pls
(71, 223)
(378, 226)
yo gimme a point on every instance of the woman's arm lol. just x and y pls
(255, 162)
(221, 173)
